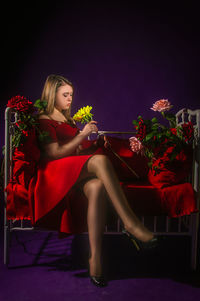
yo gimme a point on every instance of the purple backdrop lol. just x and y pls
(120, 58)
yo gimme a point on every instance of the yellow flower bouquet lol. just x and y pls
(83, 115)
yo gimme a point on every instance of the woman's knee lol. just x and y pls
(98, 161)
(94, 186)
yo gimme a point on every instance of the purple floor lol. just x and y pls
(43, 267)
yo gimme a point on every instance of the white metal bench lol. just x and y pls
(186, 225)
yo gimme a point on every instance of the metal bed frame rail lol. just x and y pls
(185, 225)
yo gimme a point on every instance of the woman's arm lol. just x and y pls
(87, 147)
(56, 151)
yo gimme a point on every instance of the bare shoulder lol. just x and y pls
(43, 116)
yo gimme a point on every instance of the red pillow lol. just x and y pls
(17, 206)
(25, 159)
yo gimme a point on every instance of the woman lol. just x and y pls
(63, 157)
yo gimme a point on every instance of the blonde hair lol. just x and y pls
(53, 82)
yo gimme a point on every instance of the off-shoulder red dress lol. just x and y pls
(58, 203)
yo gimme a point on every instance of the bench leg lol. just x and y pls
(194, 240)
(6, 243)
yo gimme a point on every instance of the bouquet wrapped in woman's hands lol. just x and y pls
(84, 116)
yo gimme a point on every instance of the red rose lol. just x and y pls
(173, 131)
(141, 130)
(169, 150)
(188, 131)
(25, 133)
(159, 164)
(21, 103)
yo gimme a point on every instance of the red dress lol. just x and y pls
(58, 203)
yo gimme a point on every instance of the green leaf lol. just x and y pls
(3, 150)
(17, 140)
(172, 123)
(154, 120)
(171, 118)
(149, 136)
(41, 105)
(135, 122)
(44, 137)
(168, 134)
(155, 126)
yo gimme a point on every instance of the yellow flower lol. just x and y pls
(83, 115)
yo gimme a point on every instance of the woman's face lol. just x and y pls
(64, 96)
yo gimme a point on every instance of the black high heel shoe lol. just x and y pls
(98, 281)
(141, 245)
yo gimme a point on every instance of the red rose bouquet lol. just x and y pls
(21, 104)
(26, 118)
(164, 146)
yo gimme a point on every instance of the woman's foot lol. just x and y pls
(140, 232)
(95, 271)
(98, 281)
(142, 245)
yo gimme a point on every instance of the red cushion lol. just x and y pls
(173, 201)
(143, 197)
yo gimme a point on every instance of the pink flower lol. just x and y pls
(161, 105)
(136, 145)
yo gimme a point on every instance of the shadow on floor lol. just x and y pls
(120, 258)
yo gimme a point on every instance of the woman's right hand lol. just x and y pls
(56, 151)
(90, 128)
